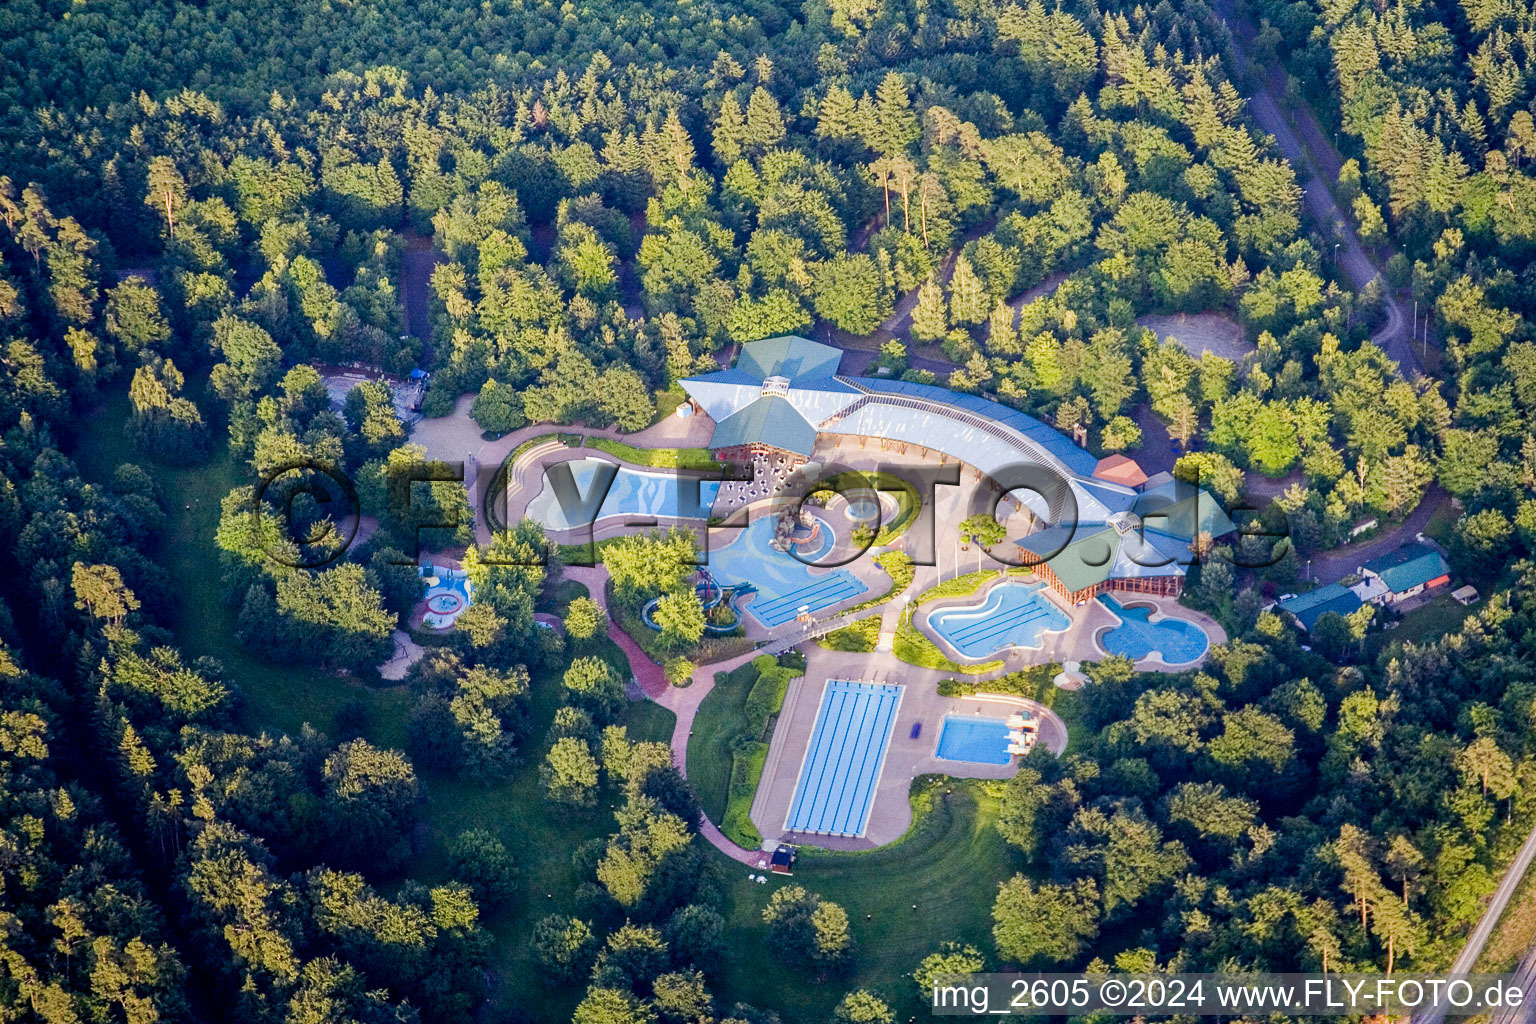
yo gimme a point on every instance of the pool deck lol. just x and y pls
(905, 758)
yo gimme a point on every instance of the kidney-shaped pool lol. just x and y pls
(1012, 615)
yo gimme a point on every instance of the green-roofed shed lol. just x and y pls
(1408, 571)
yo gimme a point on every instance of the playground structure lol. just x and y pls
(710, 595)
(449, 592)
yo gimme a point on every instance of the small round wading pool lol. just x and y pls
(444, 604)
(863, 510)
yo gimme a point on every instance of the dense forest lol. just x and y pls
(200, 201)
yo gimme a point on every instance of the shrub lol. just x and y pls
(861, 636)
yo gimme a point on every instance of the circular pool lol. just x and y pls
(444, 604)
(863, 510)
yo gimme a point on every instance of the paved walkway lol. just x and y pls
(647, 673)
(407, 652)
(684, 701)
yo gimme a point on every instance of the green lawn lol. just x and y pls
(861, 635)
(957, 586)
(275, 696)
(649, 721)
(1442, 522)
(541, 838)
(720, 721)
(667, 458)
(667, 403)
(557, 598)
(949, 864)
(1440, 616)
(912, 646)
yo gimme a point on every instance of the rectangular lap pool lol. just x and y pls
(977, 740)
(842, 764)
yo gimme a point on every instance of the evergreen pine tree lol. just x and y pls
(1002, 339)
(765, 124)
(730, 127)
(930, 318)
(967, 297)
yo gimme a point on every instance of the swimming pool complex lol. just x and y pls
(1176, 641)
(1013, 615)
(842, 763)
(632, 493)
(973, 739)
(784, 584)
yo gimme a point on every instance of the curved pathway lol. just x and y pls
(648, 675)
(684, 701)
(1316, 169)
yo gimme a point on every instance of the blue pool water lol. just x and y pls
(1013, 615)
(632, 493)
(977, 740)
(842, 764)
(1175, 640)
(783, 582)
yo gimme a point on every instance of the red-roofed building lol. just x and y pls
(1119, 469)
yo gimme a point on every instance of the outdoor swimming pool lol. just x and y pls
(632, 493)
(842, 763)
(1176, 641)
(784, 584)
(1013, 615)
(977, 740)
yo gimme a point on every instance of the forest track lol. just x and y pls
(417, 262)
(1305, 146)
(1484, 931)
(1394, 338)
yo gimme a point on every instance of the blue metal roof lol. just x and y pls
(1058, 445)
(731, 376)
(1310, 607)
